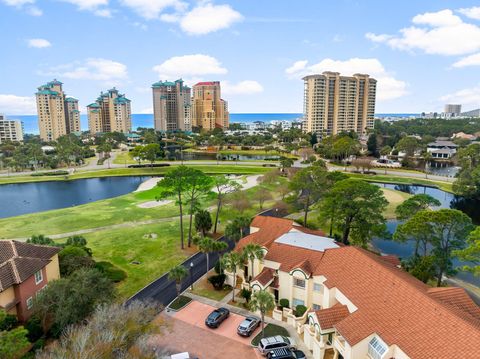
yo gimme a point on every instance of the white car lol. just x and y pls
(184, 355)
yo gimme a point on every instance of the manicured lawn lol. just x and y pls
(270, 331)
(394, 198)
(204, 289)
(126, 245)
(179, 302)
(256, 152)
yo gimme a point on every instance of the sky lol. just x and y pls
(423, 53)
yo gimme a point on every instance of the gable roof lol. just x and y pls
(19, 261)
(327, 318)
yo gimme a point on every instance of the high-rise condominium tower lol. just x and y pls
(110, 113)
(334, 103)
(10, 130)
(209, 111)
(57, 116)
(171, 106)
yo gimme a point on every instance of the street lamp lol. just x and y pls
(191, 275)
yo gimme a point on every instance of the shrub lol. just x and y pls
(246, 294)
(54, 173)
(73, 258)
(300, 310)
(39, 344)
(284, 303)
(34, 327)
(217, 281)
(7, 321)
(111, 271)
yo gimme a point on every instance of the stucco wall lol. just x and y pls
(53, 269)
(7, 297)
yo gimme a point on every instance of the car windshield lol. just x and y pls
(214, 315)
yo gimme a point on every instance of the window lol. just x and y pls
(297, 282)
(38, 277)
(317, 287)
(316, 307)
(29, 303)
(376, 348)
(296, 302)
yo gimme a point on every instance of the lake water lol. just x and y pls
(23, 198)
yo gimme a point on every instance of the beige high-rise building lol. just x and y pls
(171, 106)
(54, 120)
(110, 113)
(10, 130)
(334, 103)
(72, 114)
(209, 110)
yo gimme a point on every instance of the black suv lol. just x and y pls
(285, 353)
(216, 317)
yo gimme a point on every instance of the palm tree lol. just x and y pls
(230, 262)
(208, 245)
(263, 302)
(253, 251)
(178, 274)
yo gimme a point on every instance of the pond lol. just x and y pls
(23, 198)
(447, 200)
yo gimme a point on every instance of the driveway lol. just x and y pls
(196, 312)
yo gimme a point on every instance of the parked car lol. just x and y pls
(248, 326)
(266, 345)
(216, 317)
(284, 353)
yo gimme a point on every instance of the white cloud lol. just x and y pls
(39, 43)
(388, 87)
(97, 7)
(441, 33)
(18, 105)
(147, 111)
(206, 18)
(472, 12)
(245, 87)
(468, 96)
(472, 60)
(34, 11)
(152, 9)
(18, 3)
(27, 5)
(189, 66)
(91, 69)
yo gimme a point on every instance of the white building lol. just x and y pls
(10, 130)
(442, 149)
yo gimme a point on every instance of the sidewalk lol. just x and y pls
(244, 312)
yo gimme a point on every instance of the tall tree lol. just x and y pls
(176, 183)
(151, 152)
(409, 145)
(358, 208)
(209, 245)
(414, 204)
(263, 302)
(417, 230)
(235, 229)
(223, 186)
(471, 253)
(262, 194)
(178, 274)
(198, 185)
(372, 145)
(251, 252)
(231, 261)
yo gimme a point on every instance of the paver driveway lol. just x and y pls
(196, 312)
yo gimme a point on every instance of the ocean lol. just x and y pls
(146, 120)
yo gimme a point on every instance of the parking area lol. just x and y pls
(186, 332)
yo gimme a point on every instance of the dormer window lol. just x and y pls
(376, 348)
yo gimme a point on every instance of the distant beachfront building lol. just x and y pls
(171, 106)
(472, 113)
(10, 130)
(55, 115)
(335, 103)
(451, 110)
(209, 110)
(110, 113)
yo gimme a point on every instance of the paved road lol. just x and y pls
(164, 291)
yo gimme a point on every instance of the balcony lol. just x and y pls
(339, 343)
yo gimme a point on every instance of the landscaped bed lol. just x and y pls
(179, 303)
(270, 331)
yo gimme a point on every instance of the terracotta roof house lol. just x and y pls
(25, 269)
(359, 304)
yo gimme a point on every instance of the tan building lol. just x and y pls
(171, 106)
(53, 117)
(334, 103)
(110, 113)
(209, 110)
(359, 304)
(25, 269)
(10, 130)
(72, 114)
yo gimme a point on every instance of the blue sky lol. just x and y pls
(424, 53)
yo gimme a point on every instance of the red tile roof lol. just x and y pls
(327, 318)
(207, 83)
(265, 276)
